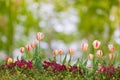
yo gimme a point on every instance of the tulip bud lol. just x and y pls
(96, 44)
(28, 47)
(111, 56)
(111, 48)
(9, 60)
(60, 51)
(33, 44)
(55, 52)
(39, 36)
(90, 56)
(71, 51)
(22, 49)
(99, 53)
(84, 46)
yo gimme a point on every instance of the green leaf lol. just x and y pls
(64, 60)
(69, 60)
(50, 60)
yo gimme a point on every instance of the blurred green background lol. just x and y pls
(65, 23)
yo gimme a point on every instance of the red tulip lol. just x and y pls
(28, 47)
(99, 53)
(22, 49)
(96, 44)
(7, 58)
(84, 46)
(111, 48)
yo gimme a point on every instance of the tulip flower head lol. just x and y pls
(55, 52)
(28, 47)
(33, 44)
(111, 56)
(90, 56)
(60, 51)
(99, 53)
(96, 44)
(84, 46)
(9, 60)
(22, 49)
(111, 48)
(71, 51)
(6, 58)
(39, 36)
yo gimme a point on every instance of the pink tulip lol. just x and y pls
(90, 56)
(33, 44)
(111, 48)
(55, 52)
(96, 44)
(22, 49)
(84, 46)
(60, 51)
(39, 36)
(28, 47)
(99, 53)
(111, 56)
(71, 51)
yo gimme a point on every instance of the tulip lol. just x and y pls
(71, 51)
(99, 53)
(33, 44)
(6, 58)
(9, 60)
(22, 49)
(111, 56)
(90, 56)
(111, 48)
(39, 36)
(84, 46)
(96, 44)
(28, 47)
(55, 52)
(60, 51)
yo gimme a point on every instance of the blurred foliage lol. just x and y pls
(94, 17)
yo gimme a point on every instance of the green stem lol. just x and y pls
(39, 46)
(33, 54)
(55, 58)
(60, 60)
(70, 60)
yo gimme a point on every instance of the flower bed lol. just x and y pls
(88, 67)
